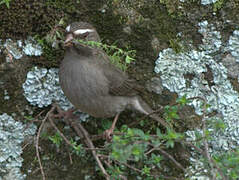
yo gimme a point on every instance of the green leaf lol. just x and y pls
(115, 155)
(171, 134)
(170, 143)
(113, 47)
(58, 34)
(139, 132)
(220, 125)
(183, 100)
(116, 138)
(136, 150)
(158, 132)
(146, 170)
(130, 132)
(128, 60)
(156, 158)
(142, 123)
(124, 128)
(56, 139)
(6, 2)
(8, 5)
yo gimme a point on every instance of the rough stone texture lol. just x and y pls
(232, 65)
(12, 134)
(27, 17)
(155, 25)
(42, 88)
(209, 80)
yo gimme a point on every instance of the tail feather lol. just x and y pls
(141, 106)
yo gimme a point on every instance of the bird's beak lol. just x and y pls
(69, 38)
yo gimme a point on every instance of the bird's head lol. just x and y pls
(81, 30)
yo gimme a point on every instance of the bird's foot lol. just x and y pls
(64, 114)
(108, 134)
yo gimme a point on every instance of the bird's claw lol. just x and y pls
(108, 134)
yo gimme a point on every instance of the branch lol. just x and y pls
(37, 141)
(81, 131)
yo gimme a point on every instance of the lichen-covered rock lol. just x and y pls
(208, 79)
(206, 2)
(42, 88)
(211, 37)
(233, 45)
(19, 48)
(12, 134)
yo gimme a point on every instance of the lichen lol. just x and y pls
(217, 89)
(206, 2)
(12, 134)
(233, 45)
(18, 48)
(42, 88)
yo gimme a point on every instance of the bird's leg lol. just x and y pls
(109, 132)
(64, 114)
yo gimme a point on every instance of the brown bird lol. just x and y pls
(92, 83)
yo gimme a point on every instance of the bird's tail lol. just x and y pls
(141, 106)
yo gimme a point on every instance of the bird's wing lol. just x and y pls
(118, 82)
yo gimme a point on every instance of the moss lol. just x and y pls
(56, 163)
(13, 76)
(171, 5)
(31, 17)
(175, 45)
(218, 5)
(51, 56)
(27, 17)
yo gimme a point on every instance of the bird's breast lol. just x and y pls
(82, 82)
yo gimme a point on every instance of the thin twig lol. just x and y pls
(205, 153)
(35, 171)
(82, 131)
(61, 134)
(172, 159)
(145, 116)
(133, 168)
(32, 120)
(151, 150)
(37, 141)
(71, 162)
(167, 155)
(210, 160)
(110, 166)
(118, 162)
(25, 146)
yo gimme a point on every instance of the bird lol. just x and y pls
(93, 84)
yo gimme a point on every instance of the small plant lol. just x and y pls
(50, 43)
(28, 118)
(229, 163)
(56, 139)
(6, 2)
(218, 5)
(148, 153)
(78, 148)
(116, 54)
(176, 45)
(48, 50)
(137, 150)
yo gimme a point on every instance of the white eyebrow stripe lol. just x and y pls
(68, 28)
(82, 31)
